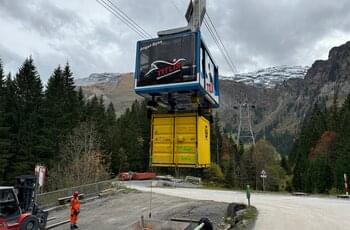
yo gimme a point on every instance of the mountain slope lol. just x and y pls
(270, 77)
(279, 105)
(115, 88)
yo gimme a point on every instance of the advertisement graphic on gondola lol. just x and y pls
(167, 61)
(210, 79)
(209, 75)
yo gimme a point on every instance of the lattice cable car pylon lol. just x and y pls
(245, 132)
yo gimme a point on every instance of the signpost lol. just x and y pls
(263, 175)
(248, 194)
(40, 173)
(346, 184)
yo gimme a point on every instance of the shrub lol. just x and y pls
(214, 174)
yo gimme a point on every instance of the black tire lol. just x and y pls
(207, 224)
(30, 223)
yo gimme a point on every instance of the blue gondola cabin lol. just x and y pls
(177, 71)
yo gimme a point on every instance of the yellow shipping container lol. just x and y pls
(180, 140)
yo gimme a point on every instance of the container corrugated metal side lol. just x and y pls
(185, 151)
(180, 140)
(203, 133)
(162, 140)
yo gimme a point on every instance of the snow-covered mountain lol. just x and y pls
(98, 78)
(267, 78)
(270, 77)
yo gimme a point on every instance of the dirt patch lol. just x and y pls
(122, 210)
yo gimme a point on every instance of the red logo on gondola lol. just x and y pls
(169, 69)
(164, 68)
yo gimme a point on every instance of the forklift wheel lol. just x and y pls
(207, 224)
(30, 223)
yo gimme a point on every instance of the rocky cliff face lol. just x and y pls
(330, 77)
(279, 111)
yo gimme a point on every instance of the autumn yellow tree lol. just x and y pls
(81, 160)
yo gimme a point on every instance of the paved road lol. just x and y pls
(276, 212)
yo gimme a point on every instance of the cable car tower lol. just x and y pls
(177, 72)
(245, 129)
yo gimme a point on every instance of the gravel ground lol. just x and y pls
(276, 211)
(120, 211)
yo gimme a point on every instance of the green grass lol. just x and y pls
(245, 220)
(250, 213)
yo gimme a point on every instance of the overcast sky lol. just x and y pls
(257, 33)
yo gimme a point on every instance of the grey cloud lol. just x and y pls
(69, 37)
(102, 35)
(44, 17)
(10, 59)
(275, 30)
(257, 33)
(154, 15)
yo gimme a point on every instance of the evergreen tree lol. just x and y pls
(110, 115)
(333, 116)
(93, 109)
(96, 114)
(342, 164)
(248, 169)
(54, 110)
(81, 105)
(4, 129)
(311, 131)
(284, 164)
(62, 105)
(110, 123)
(320, 160)
(30, 120)
(71, 99)
(323, 175)
(131, 137)
(11, 122)
(230, 177)
(215, 140)
(2, 76)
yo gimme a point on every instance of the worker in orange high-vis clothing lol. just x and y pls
(74, 210)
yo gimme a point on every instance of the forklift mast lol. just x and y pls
(26, 192)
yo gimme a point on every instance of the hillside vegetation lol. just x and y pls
(79, 140)
(321, 154)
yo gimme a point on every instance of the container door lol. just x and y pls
(203, 142)
(185, 141)
(162, 142)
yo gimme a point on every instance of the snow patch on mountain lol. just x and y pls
(98, 78)
(266, 78)
(270, 77)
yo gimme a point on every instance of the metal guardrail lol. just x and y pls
(49, 199)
